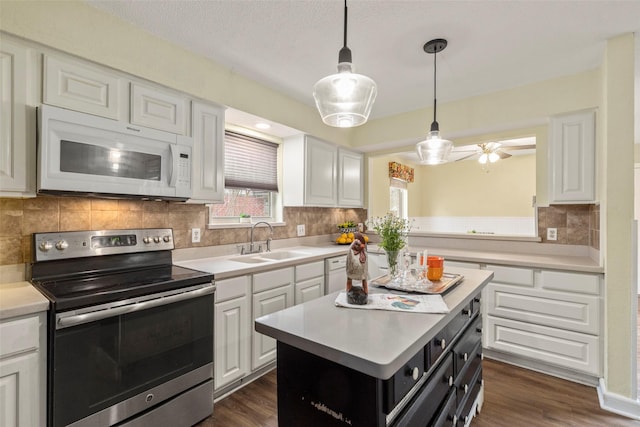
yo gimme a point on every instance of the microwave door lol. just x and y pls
(82, 158)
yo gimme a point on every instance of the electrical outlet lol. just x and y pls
(195, 235)
(552, 234)
(300, 230)
(361, 227)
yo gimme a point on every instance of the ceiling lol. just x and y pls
(288, 45)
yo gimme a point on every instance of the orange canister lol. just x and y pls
(435, 267)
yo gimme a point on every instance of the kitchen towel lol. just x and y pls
(394, 302)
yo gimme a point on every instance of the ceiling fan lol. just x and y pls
(491, 152)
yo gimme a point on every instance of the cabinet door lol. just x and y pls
(267, 302)
(19, 391)
(208, 154)
(81, 87)
(231, 341)
(309, 289)
(158, 110)
(350, 179)
(572, 158)
(320, 181)
(17, 122)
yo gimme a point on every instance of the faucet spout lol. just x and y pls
(268, 240)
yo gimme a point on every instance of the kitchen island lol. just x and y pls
(343, 366)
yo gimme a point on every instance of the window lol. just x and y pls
(398, 198)
(250, 180)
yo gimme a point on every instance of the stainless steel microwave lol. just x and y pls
(82, 154)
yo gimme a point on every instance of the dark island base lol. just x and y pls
(442, 384)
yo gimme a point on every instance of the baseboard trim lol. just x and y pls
(617, 404)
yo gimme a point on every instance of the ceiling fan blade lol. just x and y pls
(502, 154)
(492, 146)
(519, 147)
(466, 157)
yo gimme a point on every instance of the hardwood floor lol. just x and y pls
(513, 397)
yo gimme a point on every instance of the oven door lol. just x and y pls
(81, 153)
(112, 367)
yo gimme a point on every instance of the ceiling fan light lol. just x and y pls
(494, 157)
(483, 158)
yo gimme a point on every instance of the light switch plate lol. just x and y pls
(300, 230)
(195, 235)
(552, 234)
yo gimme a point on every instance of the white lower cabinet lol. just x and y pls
(273, 291)
(553, 317)
(309, 282)
(232, 338)
(22, 371)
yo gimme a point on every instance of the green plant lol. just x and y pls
(244, 215)
(392, 231)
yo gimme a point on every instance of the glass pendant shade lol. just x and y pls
(345, 99)
(434, 150)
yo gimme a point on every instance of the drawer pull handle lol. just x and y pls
(476, 299)
(443, 343)
(415, 373)
(466, 356)
(455, 420)
(450, 381)
(479, 330)
(466, 388)
(466, 312)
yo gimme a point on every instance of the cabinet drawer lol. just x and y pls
(575, 312)
(403, 380)
(511, 275)
(447, 414)
(467, 344)
(309, 271)
(464, 382)
(232, 288)
(444, 338)
(272, 279)
(465, 414)
(18, 336)
(570, 282)
(431, 397)
(580, 352)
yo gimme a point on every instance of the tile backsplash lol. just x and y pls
(576, 224)
(20, 218)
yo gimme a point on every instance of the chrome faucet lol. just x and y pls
(268, 241)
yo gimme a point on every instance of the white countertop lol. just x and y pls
(375, 342)
(20, 298)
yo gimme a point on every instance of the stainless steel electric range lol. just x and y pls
(130, 335)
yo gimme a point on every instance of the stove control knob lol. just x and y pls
(156, 239)
(45, 246)
(62, 245)
(146, 240)
(166, 239)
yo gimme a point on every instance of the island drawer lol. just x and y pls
(447, 415)
(465, 414)
(444, 338)
(467, 344)
(425, 405)
(464, 382)
(396, 387)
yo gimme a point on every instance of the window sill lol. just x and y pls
(215, 226)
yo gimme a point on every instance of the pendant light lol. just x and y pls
(345, 99)
(434, 150)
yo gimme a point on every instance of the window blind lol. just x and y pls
(397, 183)
(250, 162)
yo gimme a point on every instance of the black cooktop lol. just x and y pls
(93, 288)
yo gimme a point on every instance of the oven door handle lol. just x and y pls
(79, 319)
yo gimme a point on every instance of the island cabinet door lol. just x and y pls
(315, 392)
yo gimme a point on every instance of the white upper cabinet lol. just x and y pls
(318, 173)
(208, 153)
(350, 178)
(572, 165)
(158, 109)
(17, 120)
(82, 87)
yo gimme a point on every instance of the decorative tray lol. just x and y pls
(448, 281)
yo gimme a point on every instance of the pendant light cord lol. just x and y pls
(345, 24)
(434, 125)
(345, 53)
